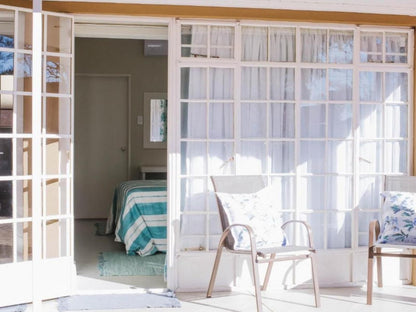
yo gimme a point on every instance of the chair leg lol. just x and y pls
(268, 272)
(379, 269)
(370, 277)
(214, 271)
(315, 281)
(256, 282)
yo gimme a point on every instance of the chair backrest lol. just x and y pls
(401, 183)
(234, 185)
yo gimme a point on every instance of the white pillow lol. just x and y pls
(399, 219)
(258, 211)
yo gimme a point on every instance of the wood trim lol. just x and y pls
(181, 11)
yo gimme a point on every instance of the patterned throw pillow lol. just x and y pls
(399, 219)
(258, 211)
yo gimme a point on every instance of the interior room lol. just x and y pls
(119, 75)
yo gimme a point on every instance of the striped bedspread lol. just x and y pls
(138, 216)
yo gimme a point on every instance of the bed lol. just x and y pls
(138, 216)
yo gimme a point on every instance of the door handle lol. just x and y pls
(123, 148)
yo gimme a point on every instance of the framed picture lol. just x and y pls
(155, 120)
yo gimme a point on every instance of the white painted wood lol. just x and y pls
(401, 7)
(102, 103)
(153, 32)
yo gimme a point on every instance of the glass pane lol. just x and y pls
(370, 190)
(221, 120)
(312, 120)
(312, 155)
(59, 34)
(364, 219)
(6, 28)
(314, 44)
(282, 84)
(193, 195)
(24, 241)
(193, 83)
(371, 157)
(340, 156)
(340, 84)
(58, 75)
(396, 47)
(253, 117)
(282, 44)
(339, 230)
(371, 86)
(213, 242)
(313, 84)
(282, 120)
(254, 43)
(221, 83)
(58, 152)
(339, 195)
(196, 39)
(25, 31)
(23, 156)
(317, 223)
(371, 121)
(6, 200)
(23, 114)
(193, 224)
(313, 197)
(371, 45)
(193, 243)
(253, 157)
(6, 157)
(222, 42)
(56, 196)
(193, 158)
(396, 121)
(24, 198)
(253, 83)
(193, 119)
(58, 115)
(56, 238)
(215, 225)
(6, 71)
(396, 157)
(282, 156)
(339, 120)
(24, 72)
(284, 192)
(341, 44)
(6, 243)
(221, 158)
(396, 87)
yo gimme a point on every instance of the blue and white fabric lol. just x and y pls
(399, 219)
(258, 211)
(138, 216)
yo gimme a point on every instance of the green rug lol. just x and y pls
(119, 264)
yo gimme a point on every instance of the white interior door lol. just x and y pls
(102, 141)
(36, 148)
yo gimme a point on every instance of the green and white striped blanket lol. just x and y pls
(138, 216)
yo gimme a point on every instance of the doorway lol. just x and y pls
(112, 73)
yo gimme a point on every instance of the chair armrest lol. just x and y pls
(250, 234)
(373, 232)
(307, 227)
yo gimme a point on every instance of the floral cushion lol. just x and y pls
(399, 219)
(258, 211)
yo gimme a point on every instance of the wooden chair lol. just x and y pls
(252, 184)
(375, 250)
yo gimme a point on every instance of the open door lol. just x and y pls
(36, 148)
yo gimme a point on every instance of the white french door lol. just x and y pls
(36, 148)
(323, 112)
